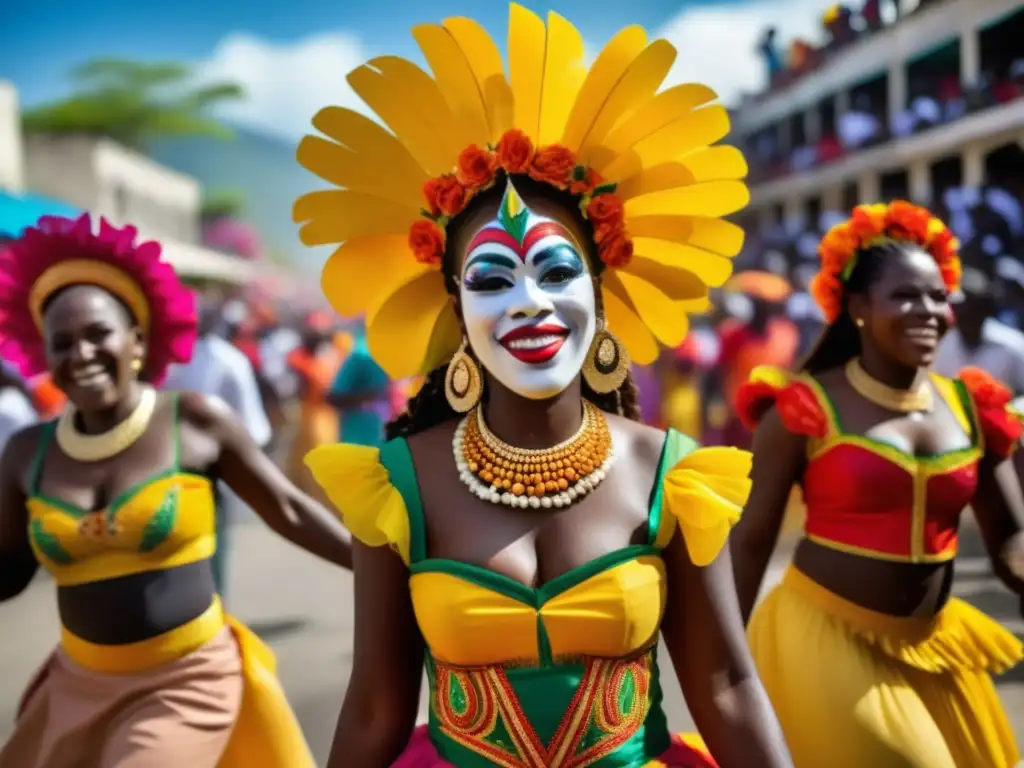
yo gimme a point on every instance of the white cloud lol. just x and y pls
(717, 45)
(286, 85)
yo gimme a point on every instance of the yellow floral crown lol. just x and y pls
(647, 155)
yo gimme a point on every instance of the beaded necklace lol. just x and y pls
(538, 478)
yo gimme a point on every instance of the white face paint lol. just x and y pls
(528, 301)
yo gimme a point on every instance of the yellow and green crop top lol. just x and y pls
(166, 520)
(607, 607)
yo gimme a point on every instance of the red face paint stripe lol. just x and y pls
(498, 237)
(545, 229)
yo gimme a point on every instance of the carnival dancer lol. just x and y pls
(115, 499)
(520, 529)
(866, 657)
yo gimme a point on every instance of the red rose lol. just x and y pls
(476, 167)
(616, 250)
(451, 195)
(427, 242)
(515, 151)
(606, 209)
(431, 192)
(553, 165)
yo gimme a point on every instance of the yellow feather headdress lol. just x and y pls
(655, 149)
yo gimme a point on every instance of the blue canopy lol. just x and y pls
(20, 211)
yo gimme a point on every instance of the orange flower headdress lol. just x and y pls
(871, 225)
(642, 162)
(448, 195)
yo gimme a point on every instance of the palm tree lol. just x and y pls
(135, 103)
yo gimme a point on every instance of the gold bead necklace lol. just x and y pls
(88, 448)
(539, 478)
(900, 400)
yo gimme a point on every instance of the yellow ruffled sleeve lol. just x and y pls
(705, 492)
(360, 488)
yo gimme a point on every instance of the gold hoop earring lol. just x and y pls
(463, 384)
(607, 363)
(859, 322)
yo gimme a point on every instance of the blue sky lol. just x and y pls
(291, 55)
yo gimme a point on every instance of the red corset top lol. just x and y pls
(866, 497)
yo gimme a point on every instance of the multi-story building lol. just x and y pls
(933, 101)
(67, 174)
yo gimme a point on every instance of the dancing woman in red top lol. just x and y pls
(868, 660)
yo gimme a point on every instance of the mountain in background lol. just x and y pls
(265, 170)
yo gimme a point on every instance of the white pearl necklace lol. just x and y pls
(497, 495)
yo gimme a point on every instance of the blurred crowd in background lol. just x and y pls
(935, 90)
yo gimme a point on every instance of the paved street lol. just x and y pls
(302, 608)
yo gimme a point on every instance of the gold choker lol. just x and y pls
(518, 477)
(901, 400)
(89, 448)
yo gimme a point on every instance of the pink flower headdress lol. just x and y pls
(60, 252)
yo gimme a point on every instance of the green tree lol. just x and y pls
(223, 203)
(135, 103)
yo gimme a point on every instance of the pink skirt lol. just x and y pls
(687, 751)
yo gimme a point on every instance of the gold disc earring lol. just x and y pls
(607, 363)
(137, 365)
(463, 384)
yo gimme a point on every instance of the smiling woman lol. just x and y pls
(115, 499)
(888, 455)
(521, 534)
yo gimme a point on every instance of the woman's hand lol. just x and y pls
(704, 636)
(259, 483)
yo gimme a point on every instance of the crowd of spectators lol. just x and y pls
(936, 96)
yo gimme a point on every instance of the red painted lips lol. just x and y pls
(535, 344)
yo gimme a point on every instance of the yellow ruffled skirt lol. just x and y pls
(858, 689)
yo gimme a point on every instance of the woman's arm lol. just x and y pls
(779, 457)
(379, 712)
(999, 509)
(704, 636)
(17, 562)
(260, 484)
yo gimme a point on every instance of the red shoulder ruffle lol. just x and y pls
(793, 399)
(999, 424)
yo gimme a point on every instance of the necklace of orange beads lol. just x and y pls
(518, 477)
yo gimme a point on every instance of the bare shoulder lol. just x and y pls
(643, 443)
(433, 444)
(831, 380)
(206, 413)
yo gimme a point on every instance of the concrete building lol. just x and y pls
(63, 174)
(958, 43)
(11, 170)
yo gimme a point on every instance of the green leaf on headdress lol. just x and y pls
(513, 214)
(605, 189)
(515, 225)
(579, 173)
(848, 269)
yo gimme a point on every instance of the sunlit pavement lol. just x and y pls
(303, 608)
